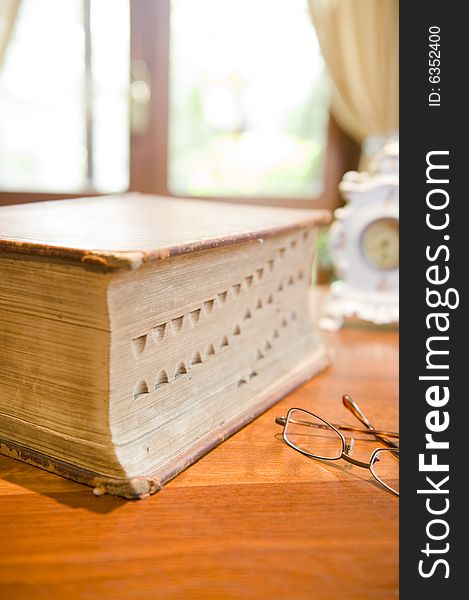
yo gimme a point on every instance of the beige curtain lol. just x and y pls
(359, 40)
(8, 10)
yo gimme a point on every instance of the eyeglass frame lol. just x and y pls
(346, 448)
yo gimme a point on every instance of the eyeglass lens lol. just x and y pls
(385, 468)
(312, 435)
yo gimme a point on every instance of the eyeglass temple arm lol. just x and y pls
(283, 421)
(353, 407)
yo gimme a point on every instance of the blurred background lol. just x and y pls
(266, 101)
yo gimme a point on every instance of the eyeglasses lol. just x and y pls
(315, 437)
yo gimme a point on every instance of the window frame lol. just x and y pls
(150, 42)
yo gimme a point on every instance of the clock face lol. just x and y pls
(380, 244)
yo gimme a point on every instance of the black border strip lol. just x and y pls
(438, 126)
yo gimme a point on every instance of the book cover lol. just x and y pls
(139, 332)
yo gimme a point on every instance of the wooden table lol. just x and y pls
(253, 519)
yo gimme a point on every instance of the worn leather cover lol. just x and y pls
(126, 230)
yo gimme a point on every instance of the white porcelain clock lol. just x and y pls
(364, 245)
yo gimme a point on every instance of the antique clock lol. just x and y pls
(364, 245)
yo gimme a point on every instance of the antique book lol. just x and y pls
(137, 332)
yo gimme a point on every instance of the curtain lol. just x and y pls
(359, 40)
(8, 10)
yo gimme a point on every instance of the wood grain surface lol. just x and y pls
(253, 519)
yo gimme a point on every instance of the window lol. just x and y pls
(223, 99)
(64, 123)
(248, 99)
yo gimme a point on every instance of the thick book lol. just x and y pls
(137, 332)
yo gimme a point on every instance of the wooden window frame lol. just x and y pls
(150, 41)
